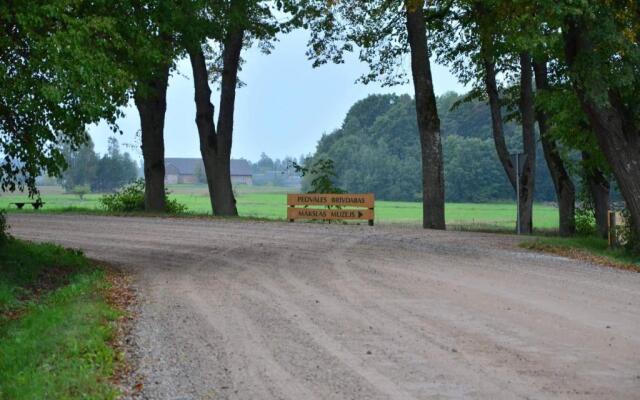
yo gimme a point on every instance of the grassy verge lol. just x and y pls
(588, 248)
(55, 325)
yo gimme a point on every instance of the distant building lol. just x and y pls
(191, 170)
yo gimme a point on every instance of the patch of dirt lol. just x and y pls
(121, 295)
(48, 280)
(12, 315)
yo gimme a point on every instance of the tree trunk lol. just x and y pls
(215, 144)
(565, 190)
(599, 188)
(527, 112)
(527, 181)
(497, 124)
(151, 100)
(617, 133)
(428, 122)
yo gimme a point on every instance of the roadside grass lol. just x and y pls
(55, 325)
(266, 202)
(589, 248)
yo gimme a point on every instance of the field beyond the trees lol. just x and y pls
(270, 203)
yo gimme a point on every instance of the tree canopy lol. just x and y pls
(58, 74)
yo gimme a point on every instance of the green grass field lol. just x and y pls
(270, 203)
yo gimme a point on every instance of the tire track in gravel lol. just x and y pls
(255, 310)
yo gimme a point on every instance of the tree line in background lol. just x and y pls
(89, 172)
(377, 150)
(568, 70)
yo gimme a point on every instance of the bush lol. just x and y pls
(585, 221)
(130, 198)
(585, 216)
(322, 173)
(81, 190)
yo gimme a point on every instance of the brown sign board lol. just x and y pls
(336, 206)
(328, 213)
(322, 199)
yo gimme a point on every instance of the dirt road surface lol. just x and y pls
(257, 310)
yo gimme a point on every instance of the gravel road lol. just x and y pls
(258, 310)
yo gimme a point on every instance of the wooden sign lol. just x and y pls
(322, 199)
(337, 206)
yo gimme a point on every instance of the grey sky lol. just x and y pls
(284, 108)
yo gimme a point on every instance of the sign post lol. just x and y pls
(337, 206)
(518, 159)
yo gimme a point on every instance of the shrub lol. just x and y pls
(585, 216)
(81, 190)
(585, 221)
(322, 173)
(130, 198)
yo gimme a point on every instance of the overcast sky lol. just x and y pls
(283, 110)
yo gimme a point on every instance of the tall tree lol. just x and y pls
(562, 182)
(527, 113)
(481, 41)
(570, 132)
(231, 26)
(598, 188)
(603, 53)
(159, 24)
(428, 121)
(151, 101)
(383, 35)
(215, 142)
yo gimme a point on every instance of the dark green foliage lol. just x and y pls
(100, 174)
(4, 227)
(56, 344)
(58, 74)
(377, 150)
(468, 118)
(630, 235)
(21, 264)
(585, 213)
(130, 198)
(585, 221)
(321, 174)
(472, 170)
(114, 169)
